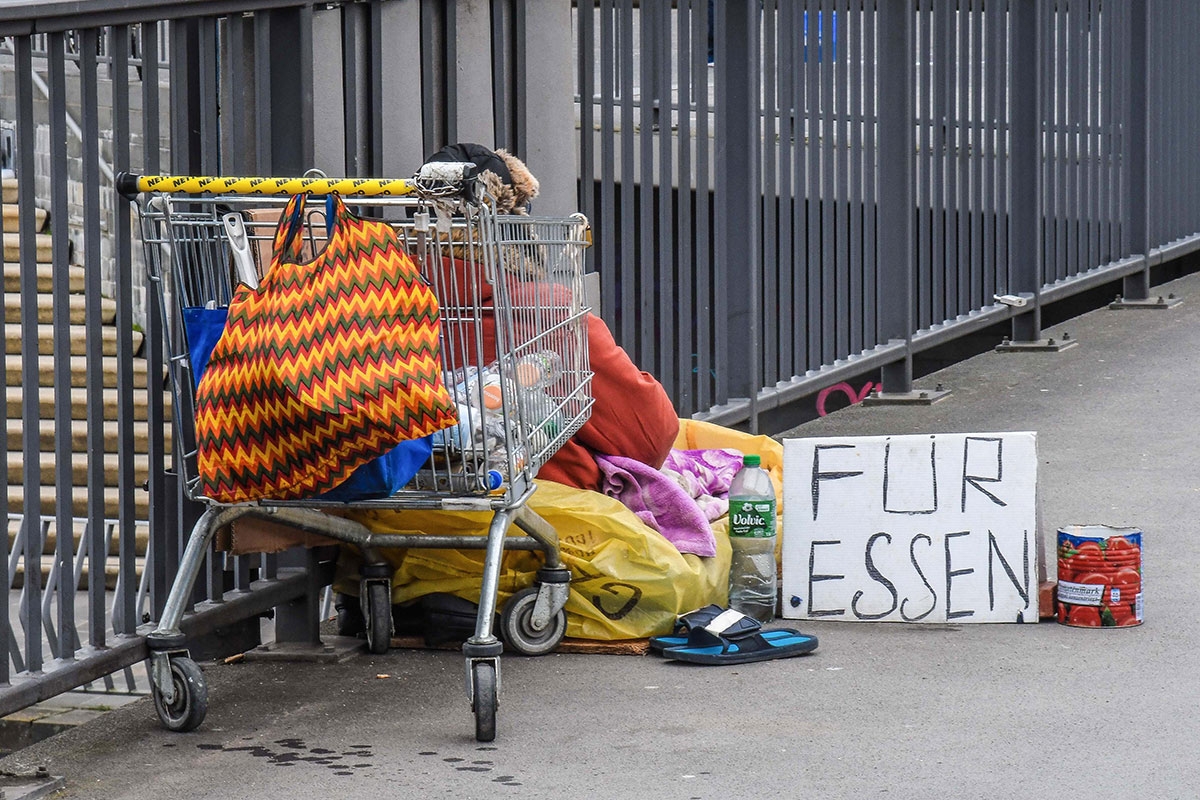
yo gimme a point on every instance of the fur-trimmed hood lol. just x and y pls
(507, 180)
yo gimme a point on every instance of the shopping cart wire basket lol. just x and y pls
(515, 358)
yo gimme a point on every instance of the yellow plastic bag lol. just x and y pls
(627, 580)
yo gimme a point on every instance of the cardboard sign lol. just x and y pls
(937, 528)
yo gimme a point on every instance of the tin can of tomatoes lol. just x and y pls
(1099, 576)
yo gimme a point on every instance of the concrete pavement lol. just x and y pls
(879, 710)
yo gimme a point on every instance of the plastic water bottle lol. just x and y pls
(538, 370)
(752, 535)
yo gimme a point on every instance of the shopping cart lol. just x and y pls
(202, 236)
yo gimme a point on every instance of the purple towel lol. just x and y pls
(660, 502)
(705, 475)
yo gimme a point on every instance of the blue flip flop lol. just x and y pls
(706, 647)
(732, 622)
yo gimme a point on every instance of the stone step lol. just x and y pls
(11, 216)
(51, 497)
(110, 436)
(111, 570)
(45, 273)
(79, 468)
(45, 336)
(45, 308)
(141, 536)
(12, 247)
(9, 190)
(78, 365)
(15, 396)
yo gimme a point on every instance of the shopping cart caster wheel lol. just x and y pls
(483, 690)
(188, 709)
(516, 625)
(378, 612)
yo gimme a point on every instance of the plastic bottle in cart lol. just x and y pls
(500, 474)
(538, 370)
(535, 374)
(752, 536)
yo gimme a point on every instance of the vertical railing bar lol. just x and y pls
(606, 251)
(93, 343)
(668, 347)
(953, 145)
(124, 323)
(989, 121)
(1046, 134)
(501, 87)
(1077, 95)
(1126, 196)
(962, 106)
(896, 230)
(828, 133)
(521, 75)
(628, 332)
(646, 268)
(690, 64)
(801, 330)
(1002, 147)
(768, 301)
(1026, 199)
(841, 111)
(23, 91)
(870, 171)
(977, 155)
(31, 416)
(923, 180)
(939, 158)
(1189, 120)
(64, 479)
(813, 189)
(1105, 144)
(156, 418)
(1174, 106)
(1062, 145)
(1087, 247)
(585, 24)
(376, 98)
(210, 164)
(705, 389)
(350, 32)
(737, 269)
(785, 317)
(851, 50)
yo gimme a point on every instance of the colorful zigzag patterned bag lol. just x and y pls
(324, 366)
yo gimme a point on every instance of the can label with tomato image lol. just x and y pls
(1099, 576)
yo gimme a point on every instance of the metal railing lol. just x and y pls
(846, 183)
(850, 183)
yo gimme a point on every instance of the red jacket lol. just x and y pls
(632, 416)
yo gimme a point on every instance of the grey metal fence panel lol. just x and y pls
(86, 103)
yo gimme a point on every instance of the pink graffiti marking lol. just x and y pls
(844, 388)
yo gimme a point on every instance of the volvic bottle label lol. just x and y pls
(752, 518)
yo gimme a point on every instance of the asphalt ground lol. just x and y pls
(878, 710)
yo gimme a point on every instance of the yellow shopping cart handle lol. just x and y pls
(129, 184)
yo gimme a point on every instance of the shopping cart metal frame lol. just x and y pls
(195, 255)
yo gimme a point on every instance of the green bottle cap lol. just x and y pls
(751, 460)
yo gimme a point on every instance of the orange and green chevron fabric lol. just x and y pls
(326, 365)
